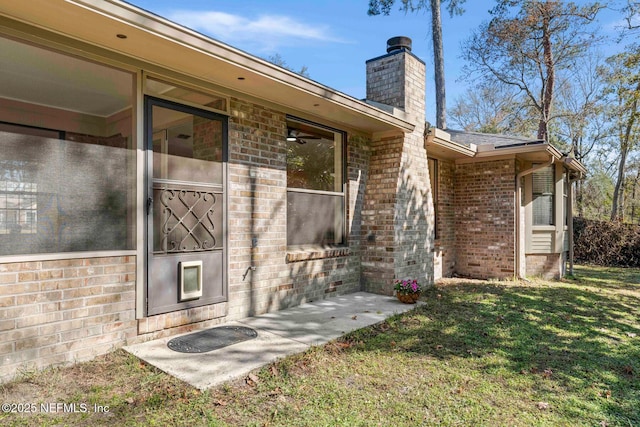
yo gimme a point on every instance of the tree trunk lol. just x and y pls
(618, 191)
(633, 196)
(579, 204)
(438, 60)
(577, 153)
(547, 97)
(625, 145)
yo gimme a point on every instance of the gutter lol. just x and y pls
(519, 273)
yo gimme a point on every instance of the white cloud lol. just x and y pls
(266, 32)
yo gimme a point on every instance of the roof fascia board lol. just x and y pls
(452, 146)
(520, 150)
(545, 147)
(468, 160)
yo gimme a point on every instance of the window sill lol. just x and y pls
(543, 228)
(309, 254)
(57, 256)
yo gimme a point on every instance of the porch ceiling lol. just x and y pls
(163, 44)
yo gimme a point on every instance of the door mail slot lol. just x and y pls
(190, 280)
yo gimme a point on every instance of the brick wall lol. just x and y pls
(378, 215)
(548, 266)
(485, 201)
(445, 242)
(414, 218)
(258, 207)
(397, 216)
(56, 312)
(358, 158)
(385, 80)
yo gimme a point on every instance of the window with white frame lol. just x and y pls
(543, 196)
(315, 184)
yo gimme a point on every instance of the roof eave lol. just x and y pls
(440, 140)
(570, 162)
(147, 31)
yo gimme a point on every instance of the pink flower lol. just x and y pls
(407, 286)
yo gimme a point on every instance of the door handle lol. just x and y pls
(149, 204)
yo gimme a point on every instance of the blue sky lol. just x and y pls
(333, 38)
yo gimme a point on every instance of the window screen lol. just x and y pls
(315, 185)
(67, 154)
(62, 196)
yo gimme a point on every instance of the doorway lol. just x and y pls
(186, 209)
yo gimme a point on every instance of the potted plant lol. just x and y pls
(407, 290)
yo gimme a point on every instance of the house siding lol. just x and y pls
(485, 200)
(541, 242)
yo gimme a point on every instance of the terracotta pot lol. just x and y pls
(408, 298)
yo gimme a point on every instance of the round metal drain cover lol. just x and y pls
(211, 339)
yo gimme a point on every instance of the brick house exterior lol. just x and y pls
(489, 223)
(397, 212)
(90, 211)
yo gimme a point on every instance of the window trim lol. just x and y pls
(551, 169)
(435, 192)
(566, 189)
(187, 86)
(343, 186)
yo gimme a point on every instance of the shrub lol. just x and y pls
(606, 243)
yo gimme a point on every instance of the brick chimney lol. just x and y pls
(397, 216)
(398, 78)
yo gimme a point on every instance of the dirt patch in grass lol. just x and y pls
(476, 353)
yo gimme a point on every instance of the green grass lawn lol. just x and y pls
(477, 353)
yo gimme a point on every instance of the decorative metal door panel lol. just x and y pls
(186, 218)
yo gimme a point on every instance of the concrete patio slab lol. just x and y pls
(280, 334)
